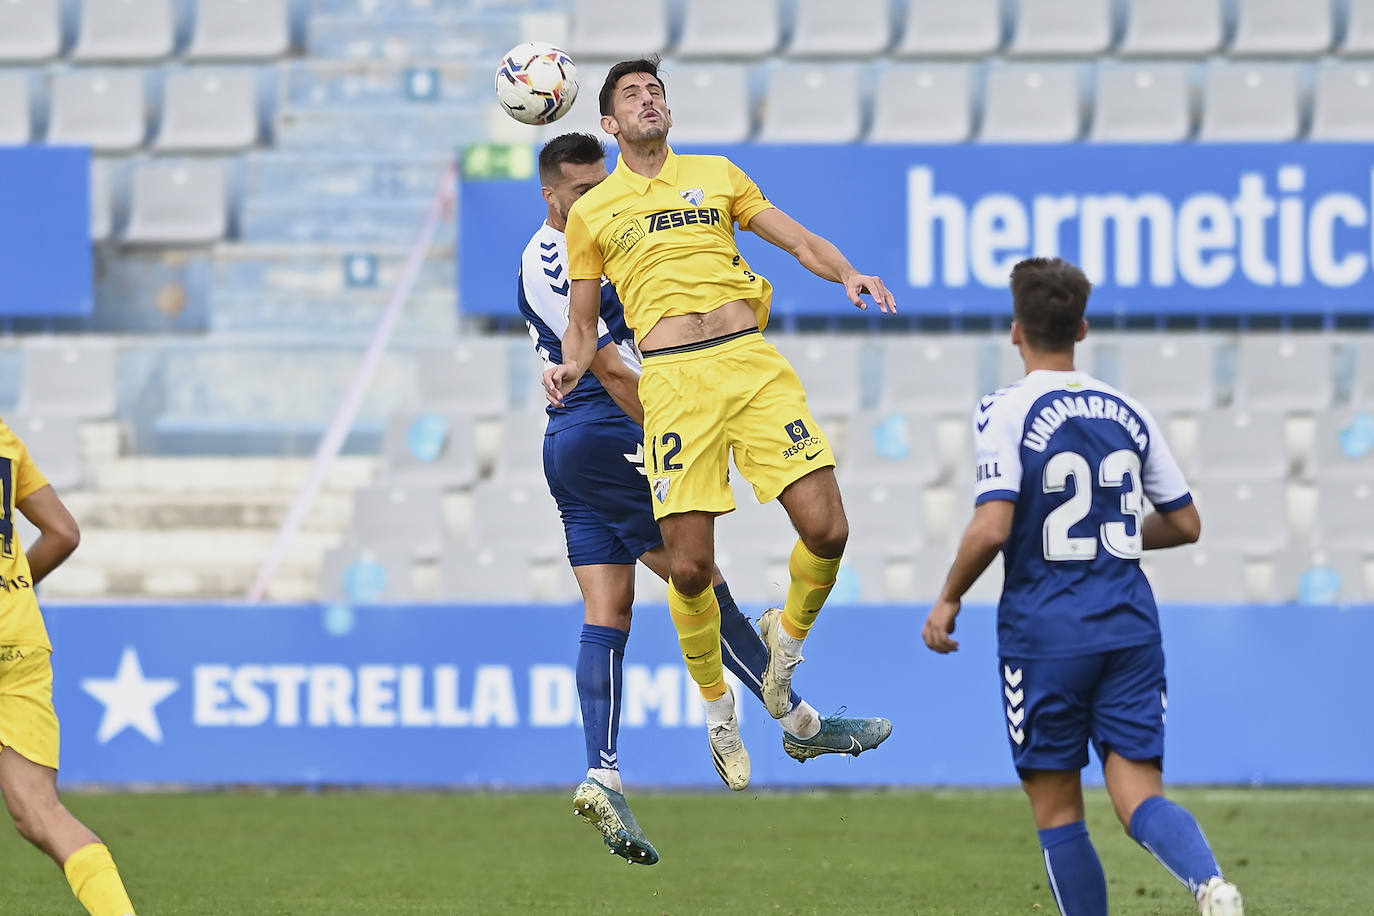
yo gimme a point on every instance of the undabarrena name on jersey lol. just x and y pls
(1089, 407)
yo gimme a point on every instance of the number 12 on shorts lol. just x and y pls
(668, 445)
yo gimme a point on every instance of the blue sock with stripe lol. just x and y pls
(1075, 873)
(599, 659)
(742, 648)
(1172, 835)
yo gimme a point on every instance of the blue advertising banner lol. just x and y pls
(1165, 229)
(486, 696)
(45, 234)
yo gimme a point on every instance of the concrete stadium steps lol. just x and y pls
(326, 270)
(300, 220)
(349, 315)
(97, 511)
(226, 475)
(324, 176)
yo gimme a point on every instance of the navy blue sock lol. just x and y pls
(599, 660)
(1075, 872)
(1170, 834)
(741, 646)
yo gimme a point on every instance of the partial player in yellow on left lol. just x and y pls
(29, 737)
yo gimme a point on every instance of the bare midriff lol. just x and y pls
(678, 330)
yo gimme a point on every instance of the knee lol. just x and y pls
(692, 575)
(829, 539)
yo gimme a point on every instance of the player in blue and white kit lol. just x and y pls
(1064, 466)
(594, 463)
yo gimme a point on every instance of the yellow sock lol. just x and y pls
(95, 881)
(697, 618)
(812, 579)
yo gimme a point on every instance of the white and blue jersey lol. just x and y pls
(1079, 459)
(593, 452)
(543, 297)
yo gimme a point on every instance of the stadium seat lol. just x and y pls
(1240, 444)
(934, 374)
(54, 442)
(206, 111)
(1172, 27)
(1031, 104)
(411, 518)
(240, 30)
(430, 450)
(69, 379)
(932, 105)
(102, 200)
(728, 28)
(103, 109)
(1359, 29)
(1362, 387)
(498, 573)
(607, 28)
(1247, 103)
(15, 127)
(1267, 28)
(1168, 372)
(1344, 444)
(124, 30)
(522, 447)
(367, 575)
(938, 28)
(177, 203)
(1320, 577)
(1059, 28)
(829, 367)
(1284, 372)
(1140, 104)
(1196, 573)
(710, 103)
(469, 377)
(891, 446)
(521, 514)
(812, 104)
(30, 31)
(1343, 105)
(1344, 508)
(855, 28)
(1249, 515)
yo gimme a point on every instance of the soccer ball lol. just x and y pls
(536, 83)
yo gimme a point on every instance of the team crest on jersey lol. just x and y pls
(629, 234)
(661, 486)
(693, 196)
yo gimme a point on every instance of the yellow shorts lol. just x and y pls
(28, 721)
(702, 403)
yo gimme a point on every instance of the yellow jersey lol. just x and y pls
(668, 242)
(21, 623)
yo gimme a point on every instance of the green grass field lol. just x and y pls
(957, 852)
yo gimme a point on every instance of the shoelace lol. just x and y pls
(726, 737)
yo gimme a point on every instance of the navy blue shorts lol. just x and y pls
(595, 472)
(1054, 706)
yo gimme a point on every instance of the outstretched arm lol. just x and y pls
(820, 256)
(984, 537)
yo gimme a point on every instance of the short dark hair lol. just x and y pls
(579, 149)
(1049, 297)
(647, 65)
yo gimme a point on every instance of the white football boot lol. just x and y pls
(1219, 897)
(777, 677)
(728, 752)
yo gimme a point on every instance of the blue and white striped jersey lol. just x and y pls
(543, 297)
(1078, 458)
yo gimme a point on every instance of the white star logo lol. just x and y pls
(130, 699)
